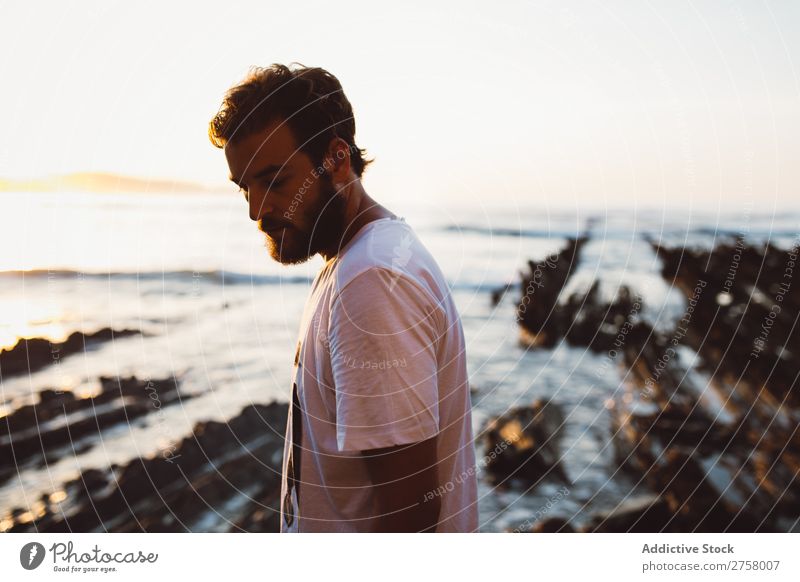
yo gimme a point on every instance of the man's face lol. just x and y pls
(295, 205)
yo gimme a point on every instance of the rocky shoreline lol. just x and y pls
(721, 456)
(61, 424)
(224, 476)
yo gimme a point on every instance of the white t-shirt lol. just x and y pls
(380, 362)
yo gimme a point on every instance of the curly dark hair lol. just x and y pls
(309, 99)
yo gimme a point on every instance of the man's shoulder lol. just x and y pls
(388, 245)
(391, 246)
(393, 250)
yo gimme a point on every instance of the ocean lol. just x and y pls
(192, 274)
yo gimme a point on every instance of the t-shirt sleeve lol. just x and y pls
(383, 336)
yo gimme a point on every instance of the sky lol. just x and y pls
(608, 103)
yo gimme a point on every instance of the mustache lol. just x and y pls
(264, 227)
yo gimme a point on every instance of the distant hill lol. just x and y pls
(100, 182)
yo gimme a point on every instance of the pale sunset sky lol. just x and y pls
(616, 103)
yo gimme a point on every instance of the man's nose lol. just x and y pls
(259, 208)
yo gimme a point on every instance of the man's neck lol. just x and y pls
(360, 210)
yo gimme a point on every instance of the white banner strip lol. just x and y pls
(407, 557)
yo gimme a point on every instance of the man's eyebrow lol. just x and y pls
(263, 173)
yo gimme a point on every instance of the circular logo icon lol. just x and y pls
(31, 555)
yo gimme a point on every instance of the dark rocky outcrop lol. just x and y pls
(30, 355)
(61, 423)
(522, 445)
(719, 449)
(596, 325)
(225, 476)
(724, 456)
(744, 323)
(541, 318)
(640, 515)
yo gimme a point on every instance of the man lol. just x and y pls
(379, 435)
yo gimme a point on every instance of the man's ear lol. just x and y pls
(339, 162)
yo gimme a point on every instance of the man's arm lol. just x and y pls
(405, 479)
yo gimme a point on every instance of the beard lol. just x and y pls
(293, 246)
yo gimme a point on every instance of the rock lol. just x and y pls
(640, 515)
(523, 445)
(60, 424)
(538, 313)
(552, 525)
(206, 486)
(30, 355)
(499, 292)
